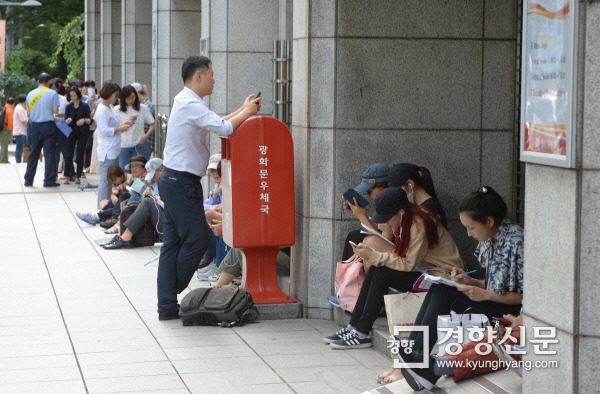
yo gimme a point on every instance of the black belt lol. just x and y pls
(186, 174)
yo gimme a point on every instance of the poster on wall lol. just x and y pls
(548, 82)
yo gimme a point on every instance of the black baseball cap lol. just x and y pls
(387, 203)
(400, 174)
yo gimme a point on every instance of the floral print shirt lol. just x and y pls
(503, 260)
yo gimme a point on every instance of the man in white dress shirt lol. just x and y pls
(186, 154)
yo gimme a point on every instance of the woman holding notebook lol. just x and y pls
(419, 240)
(500, 252)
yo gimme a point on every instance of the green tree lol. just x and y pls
(13, 84)
(28, 61)
(70, 48)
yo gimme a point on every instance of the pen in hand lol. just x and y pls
(466, 273)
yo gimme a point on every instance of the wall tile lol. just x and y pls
(542, 380)
(411, 18)
(321, 271)
(300, 82)
(321, 173)
(497, 161)
(248, 73)
(253, 26)
(500, 19)
(499, 85)
(589, 290)
(424, 84)
(322, 18)
(550, 231)
(322, 82)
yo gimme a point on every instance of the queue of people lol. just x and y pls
(409, 233)
(412, 239)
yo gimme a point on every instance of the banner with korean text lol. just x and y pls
(548, 82)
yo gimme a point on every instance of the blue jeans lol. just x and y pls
(185, 236)
(147, 150)
(42, 135)
(104, 188)
(21, 140)
(127, 153)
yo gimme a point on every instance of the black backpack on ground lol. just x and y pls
(225, 306)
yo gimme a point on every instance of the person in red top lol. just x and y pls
(6, 133)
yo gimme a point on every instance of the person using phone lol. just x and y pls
(186, 154)
(418, 239)
(130, 108)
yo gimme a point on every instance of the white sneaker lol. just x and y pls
(208, 268)
(214, 271)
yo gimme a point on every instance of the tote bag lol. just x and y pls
(349, 277)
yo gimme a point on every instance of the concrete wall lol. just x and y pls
(430, 83)
(241, 49)
(562, 213)
(136, 51)
(110, 41)
(92, 39)
(177, 24)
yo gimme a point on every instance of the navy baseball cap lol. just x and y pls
(388, 203)
(400, 174)
(373, 175)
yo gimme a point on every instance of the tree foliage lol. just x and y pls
(14, 83)
(30, 62)
(70, 47)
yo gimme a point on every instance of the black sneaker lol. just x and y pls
(351, 341)
(420, 378)
(28, 184)
(51, 184)
(169, 316)
(119, 243)
(337, 336)
(109, 223)
(111, 241)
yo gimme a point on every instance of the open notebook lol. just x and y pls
(425, 281)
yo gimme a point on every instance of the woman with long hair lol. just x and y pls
(109, 136)
(132, 141)
(500, 292)
(418, 239)
(78, 116)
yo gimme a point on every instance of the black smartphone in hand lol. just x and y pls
(350, 194)
(257, 96)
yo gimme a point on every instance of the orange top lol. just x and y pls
(8, 117)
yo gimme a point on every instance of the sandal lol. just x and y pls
(113, 230)
(77, 181)
(391, 378)
(384, 375)
(83, 175)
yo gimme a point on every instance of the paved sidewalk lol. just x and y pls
(77, 318)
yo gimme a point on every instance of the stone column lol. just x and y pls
(562, 216)
(136, 51)
(110, 37)
(92, 40)
(393, 82)
(176, 29)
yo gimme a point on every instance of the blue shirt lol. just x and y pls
(43, 112)
(503, 260)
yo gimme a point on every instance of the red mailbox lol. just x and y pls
(257, 170)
